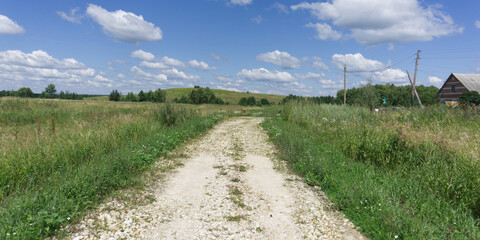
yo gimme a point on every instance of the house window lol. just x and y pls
(454, 88)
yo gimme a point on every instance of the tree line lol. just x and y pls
(49, 92)
(200, 95)
(375, 96)
(158, 95)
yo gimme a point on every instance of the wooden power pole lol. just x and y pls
(414, 79)
(345, 85)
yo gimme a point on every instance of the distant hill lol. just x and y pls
(228, 96)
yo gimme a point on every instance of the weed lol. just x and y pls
(236, 218)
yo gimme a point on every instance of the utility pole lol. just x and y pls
(345, 85)
(415, 90)
(415, 79)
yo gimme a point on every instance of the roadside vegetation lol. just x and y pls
(406, 174)
(59, 158)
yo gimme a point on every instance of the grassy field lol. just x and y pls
(59, 157)
(229, 96)
(407, 174)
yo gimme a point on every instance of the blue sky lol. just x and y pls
(278, 47)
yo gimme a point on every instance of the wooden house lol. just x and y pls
(456, 85)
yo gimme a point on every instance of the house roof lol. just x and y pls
(470, 81)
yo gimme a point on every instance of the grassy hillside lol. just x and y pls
(229, 96)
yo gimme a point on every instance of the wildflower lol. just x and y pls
(8, 186)
(68, 218)
(396, 236)
(14, 233)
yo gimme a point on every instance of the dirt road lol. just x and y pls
(230, 187)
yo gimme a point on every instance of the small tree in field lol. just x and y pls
(25, 92)
(469, 98)
(50, 91)
(141, 96)
(114, 96)
(131, 97)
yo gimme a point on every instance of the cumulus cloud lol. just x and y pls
(19, 68)
(201, 66)
(391, 76)
(173, 62)
(176, 74)
(124, 26)
(241, 2)
(262, 74)
(121, 76)
(317, 63)
(7, 26)
(72, 17)
(282, 59)
(357, 63)
(324, 31)
(280, 7)
(477, 23)
(435, 81)
(384, 21)
(320, 78)
(222, 78)
(142, 55)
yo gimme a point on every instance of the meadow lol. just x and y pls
(406, 174)
(59, 157)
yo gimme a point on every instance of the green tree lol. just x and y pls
(469, 98)
(251, 101)
(264, 101)
(50, 91)
(149, 96)
(131, 97)
(25, 92)
(159, 96)
(141, 96)
(114, 96)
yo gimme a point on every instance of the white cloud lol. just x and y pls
(37, 59)
(202, 66)
(218, 58)
(357, 63)
(258, 19)
(262, 74)
(320, 78)
(280, 7)
(324, 31)
(435, 81)
(142, 55)
(477, 23)
(142, 75)
(121, 76)
(176, 74)
(19, 68)
(124, 26)
(391, 76)
(173, 62)
(282, 59)
(154, 65)
(241, 2)
(7, 26)
(384, 21)
(222, 78)
(317, 63)
(72, 17)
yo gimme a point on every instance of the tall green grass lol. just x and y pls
(49, 176)
(387, 171)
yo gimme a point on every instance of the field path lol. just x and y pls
(230, 187)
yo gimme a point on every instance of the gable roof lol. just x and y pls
(470, 81)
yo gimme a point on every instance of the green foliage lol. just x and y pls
(171, 115)
(292, 98)
(68, 95)
(114, 96)
(250, 101)
(264, 102)
(159, 96)
(470, 98)
(130, 97)
(141, 96)
(398, 96)
(25, 92)
(66, 173)
(50, 91)
(200, 95)
(373, 172)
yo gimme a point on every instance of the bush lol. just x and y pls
(131, 97)
(264, 102)
(114, 96)
(25, 92)
(172, 115)
(469, 98)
